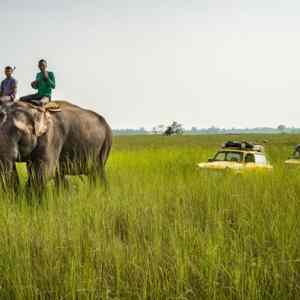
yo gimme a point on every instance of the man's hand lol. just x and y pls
(34, 84)
(45, 73)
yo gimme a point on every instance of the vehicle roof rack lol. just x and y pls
(244, 145)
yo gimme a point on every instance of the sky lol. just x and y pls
(141, 63)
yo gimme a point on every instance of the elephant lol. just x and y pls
(55, 140)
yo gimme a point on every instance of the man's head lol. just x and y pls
(42, 65)
(8, 71)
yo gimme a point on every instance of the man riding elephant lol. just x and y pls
(54, 142)
(44, 84)
(8, 87)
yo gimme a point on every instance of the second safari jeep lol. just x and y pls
(294, 160)
(238, 156)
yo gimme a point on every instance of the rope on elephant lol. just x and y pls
(52, 106)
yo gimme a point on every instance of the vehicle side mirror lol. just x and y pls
(210, 160)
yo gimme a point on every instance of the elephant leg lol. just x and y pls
(60, 180)
(15, 182)
(10, 181)
(102, 175)
(101, 168)
(92, 171)
(98, 173)
(36, 180)
(38, 174)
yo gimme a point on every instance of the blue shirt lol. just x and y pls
(8, 87)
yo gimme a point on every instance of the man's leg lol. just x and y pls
(40, 102)
(45, 100)
(36, 99)
(30, 97)
(5, 99)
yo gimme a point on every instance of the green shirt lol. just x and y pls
(45, 86)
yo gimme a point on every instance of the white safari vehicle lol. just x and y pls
(238, 156)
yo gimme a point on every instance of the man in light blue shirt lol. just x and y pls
(8, 87)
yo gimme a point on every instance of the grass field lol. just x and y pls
(163, 230)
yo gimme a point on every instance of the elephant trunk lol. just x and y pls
(8, 153)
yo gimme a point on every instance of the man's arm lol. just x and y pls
(34, 84)
(14, 91)
(51, 80)
(1, 89)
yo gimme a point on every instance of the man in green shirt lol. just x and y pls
(44, 84)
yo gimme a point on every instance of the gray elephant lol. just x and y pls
(56, 140)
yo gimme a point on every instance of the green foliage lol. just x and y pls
(174, 128)
(163, 230)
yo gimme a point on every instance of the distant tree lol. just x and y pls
(194, 129)
(154, 130)
(161, 128)
(213, 129)
(168, 131)
(281, 127)
(174, 128)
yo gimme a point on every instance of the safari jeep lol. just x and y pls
(294, 160)
(238, 156)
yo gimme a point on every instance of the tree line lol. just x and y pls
(176, 128)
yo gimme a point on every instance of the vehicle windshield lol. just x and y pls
(229, 156)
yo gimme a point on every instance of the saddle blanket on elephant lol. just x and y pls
(48, 107)
(52, 106)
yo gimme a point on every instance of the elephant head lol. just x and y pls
(21, 125)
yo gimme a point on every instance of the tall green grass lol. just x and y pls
(163, 229)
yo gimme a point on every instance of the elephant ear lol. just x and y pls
(41, 120)
(41, 124)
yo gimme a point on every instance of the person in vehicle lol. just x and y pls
(249, 158)
(8, 88)
(44, 84)
(297, 152)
